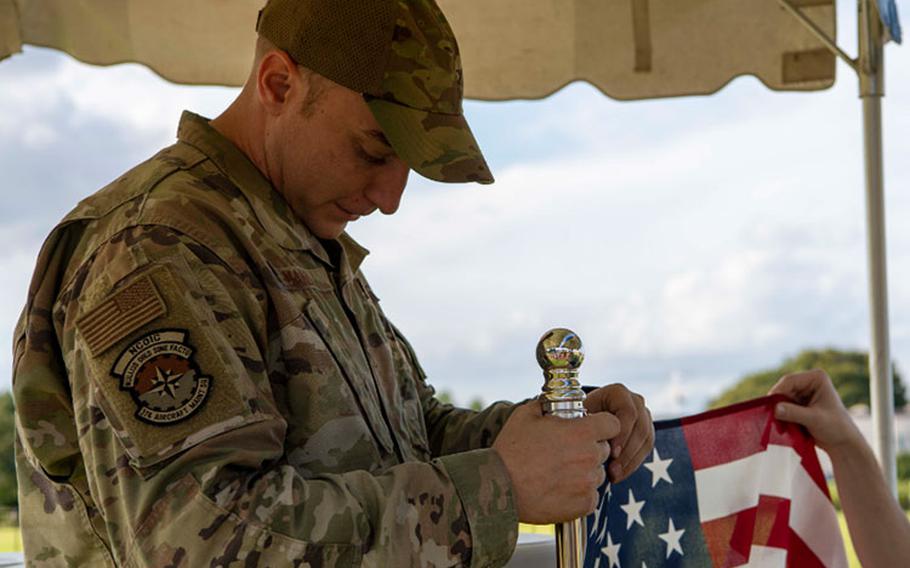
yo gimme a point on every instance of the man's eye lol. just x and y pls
(371, 159)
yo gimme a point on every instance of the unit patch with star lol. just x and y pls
(161, 374)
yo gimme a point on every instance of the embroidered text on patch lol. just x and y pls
(134, 306)
(162, 376)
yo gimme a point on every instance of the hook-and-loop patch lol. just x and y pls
(160, 373)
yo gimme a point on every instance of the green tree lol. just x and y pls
(444, 397)
(903, 466)
(8, 497)
(477, 404)
(849, 370)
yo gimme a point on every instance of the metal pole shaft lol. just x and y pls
(570, 544)
(570, 536)
(871, 75)
(560, 353)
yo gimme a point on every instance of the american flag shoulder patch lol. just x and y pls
(135, 305)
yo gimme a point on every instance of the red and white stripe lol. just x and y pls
(762, 497)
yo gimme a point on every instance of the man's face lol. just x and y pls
(332, 162)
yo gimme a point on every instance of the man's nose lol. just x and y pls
(386, 190)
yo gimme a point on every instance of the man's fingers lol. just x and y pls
(598, 429)
(605, 426)
(618, 400)
(621, 469)
(640, 443)
(638, 429)
(604, 448)
(635, 437)
(600, 475)
(615, 471)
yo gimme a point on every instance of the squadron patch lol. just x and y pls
(162, 376)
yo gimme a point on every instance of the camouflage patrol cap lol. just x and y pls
(403, 57)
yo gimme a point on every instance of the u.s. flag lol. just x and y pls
(729, 487)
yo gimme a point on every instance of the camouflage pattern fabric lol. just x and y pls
(406, 63)
(200, 381)
(420, 102)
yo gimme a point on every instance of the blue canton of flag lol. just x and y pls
(651, 518)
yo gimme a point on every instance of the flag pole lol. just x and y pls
(871, 85)
(560, 353)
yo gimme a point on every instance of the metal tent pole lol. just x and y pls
(871, 81)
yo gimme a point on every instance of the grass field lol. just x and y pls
(848, 544)
(10, 541)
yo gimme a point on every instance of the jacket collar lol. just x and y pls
(271, 210)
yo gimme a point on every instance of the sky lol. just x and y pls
(687, 241)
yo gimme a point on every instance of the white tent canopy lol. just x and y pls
(196, 42)
(629, 49)
(637, 49)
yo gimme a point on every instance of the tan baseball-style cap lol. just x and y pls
(403, 57)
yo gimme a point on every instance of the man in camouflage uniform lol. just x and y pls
(204, 377)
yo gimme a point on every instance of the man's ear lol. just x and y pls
(276, 77)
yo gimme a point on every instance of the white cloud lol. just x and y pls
(715, 243)
(36, 136)
(671, 399)
(17, 260)
(128, 95)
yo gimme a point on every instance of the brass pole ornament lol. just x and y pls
(560, 353)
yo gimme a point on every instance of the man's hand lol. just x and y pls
(819, 408)
(636, 435)
(555, 464)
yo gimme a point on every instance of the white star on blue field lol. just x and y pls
(651, 518)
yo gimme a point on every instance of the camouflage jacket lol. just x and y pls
(200, 381)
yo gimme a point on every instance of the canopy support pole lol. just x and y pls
(870, 68)
(871, 82)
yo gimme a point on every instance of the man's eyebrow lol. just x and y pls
(379, 135)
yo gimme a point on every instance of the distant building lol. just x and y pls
(863, 419)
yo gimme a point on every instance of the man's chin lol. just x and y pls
(328, 231)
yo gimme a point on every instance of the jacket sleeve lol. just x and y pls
(451, 429)
(184, 443)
